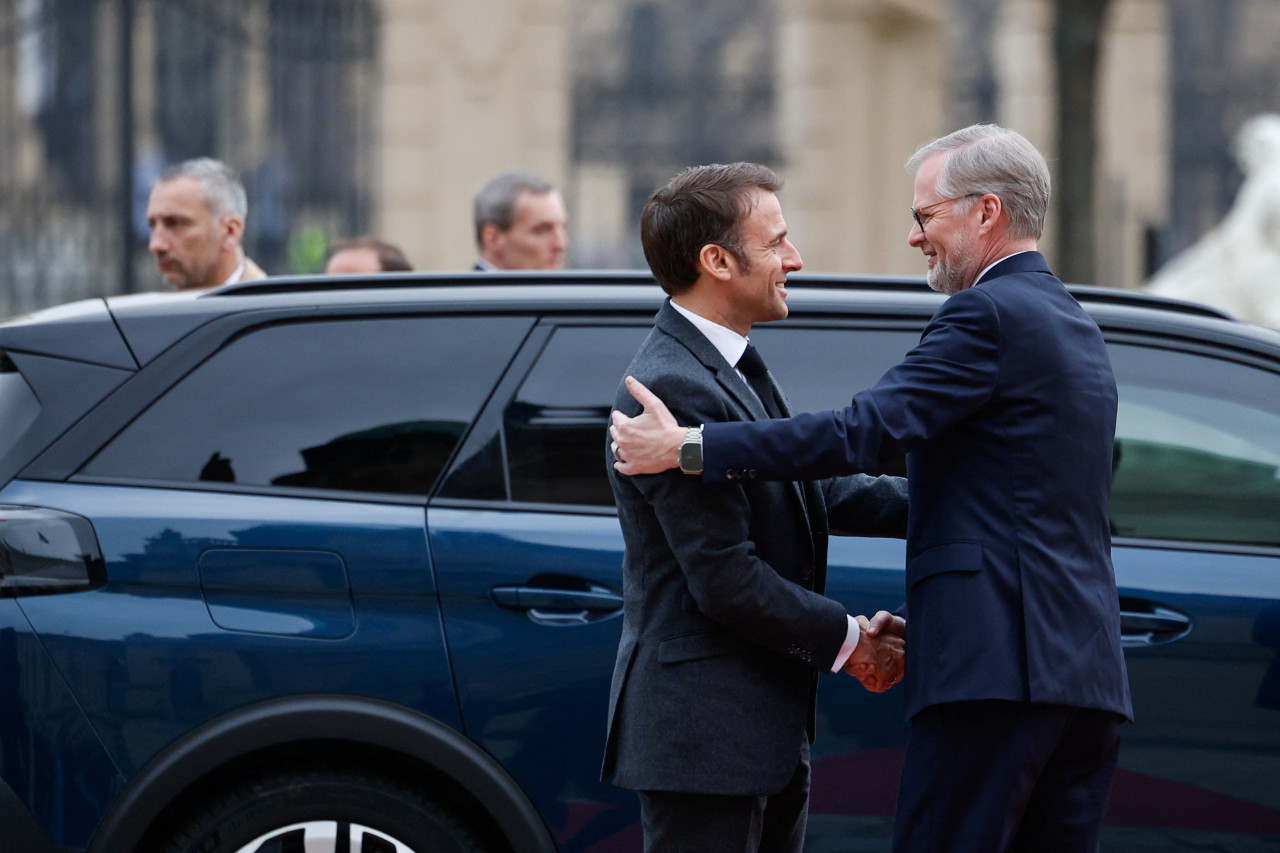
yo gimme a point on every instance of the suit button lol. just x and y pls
(752, 473)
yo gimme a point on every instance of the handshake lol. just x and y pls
(877, 662)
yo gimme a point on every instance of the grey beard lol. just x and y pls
(948, 278)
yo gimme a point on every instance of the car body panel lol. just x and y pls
(533, 672)
(149, 662)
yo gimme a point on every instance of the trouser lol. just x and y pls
(677, 822)
(993, 776)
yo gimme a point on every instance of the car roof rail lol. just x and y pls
(394, 280)
(1142, 299)
(470, 278)
(1083, 293)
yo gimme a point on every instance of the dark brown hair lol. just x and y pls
(701, 205)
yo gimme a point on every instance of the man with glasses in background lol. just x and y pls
(1006, 411)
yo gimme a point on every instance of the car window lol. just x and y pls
(821, 369)
(371, 405)
(1197, 453)
(555, 427)
(18, 404)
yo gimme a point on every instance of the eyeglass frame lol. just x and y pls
(915, 211)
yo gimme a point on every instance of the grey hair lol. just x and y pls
(495, 202)
(220, 188)
(987, 158)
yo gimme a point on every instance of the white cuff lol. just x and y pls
(850, 643)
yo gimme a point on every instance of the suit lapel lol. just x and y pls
(670, 321)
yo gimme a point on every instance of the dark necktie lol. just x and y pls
(752, 367)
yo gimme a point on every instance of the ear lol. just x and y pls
(489, 235)
(716, 261)
(232, 228)
(990, 207)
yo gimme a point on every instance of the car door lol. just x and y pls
(528, 558)
(262, 522)
(1195, 512)
(821, 364)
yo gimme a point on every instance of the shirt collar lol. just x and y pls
(1002, 260)
(727, 342)
(237, 275)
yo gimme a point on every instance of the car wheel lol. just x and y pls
(324, 812)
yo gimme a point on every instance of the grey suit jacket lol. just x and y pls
(724, 628)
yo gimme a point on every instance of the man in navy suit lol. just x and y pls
(725, 628)
(1015, 680)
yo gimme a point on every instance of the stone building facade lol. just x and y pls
(384, 116)
(610, 99)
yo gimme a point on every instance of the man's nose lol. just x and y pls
(791, 259)
(915, 237)
(561, 239)
(158, 242)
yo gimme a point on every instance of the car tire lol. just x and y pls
(302, 811)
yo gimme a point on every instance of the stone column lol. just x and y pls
(469, 89)
(862, 85)
(1134, 148)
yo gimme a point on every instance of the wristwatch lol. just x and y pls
(691, 451)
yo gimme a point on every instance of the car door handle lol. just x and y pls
(548, 605)
(528, 597)
(1145, 623)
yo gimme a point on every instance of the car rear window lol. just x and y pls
(364, 405)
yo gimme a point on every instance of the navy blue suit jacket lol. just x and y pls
(1006, 412)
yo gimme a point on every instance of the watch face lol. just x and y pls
(691, 456)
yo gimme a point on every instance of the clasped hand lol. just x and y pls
(879, 659)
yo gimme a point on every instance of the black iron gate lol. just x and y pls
(97, 96)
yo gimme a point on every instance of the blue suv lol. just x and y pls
(331, 564)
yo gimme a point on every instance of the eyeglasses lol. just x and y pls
(921, 214)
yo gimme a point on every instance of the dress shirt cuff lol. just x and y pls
(850, 643)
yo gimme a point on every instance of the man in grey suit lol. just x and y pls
(725, 627)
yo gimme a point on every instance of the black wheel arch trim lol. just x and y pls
(279, 722)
